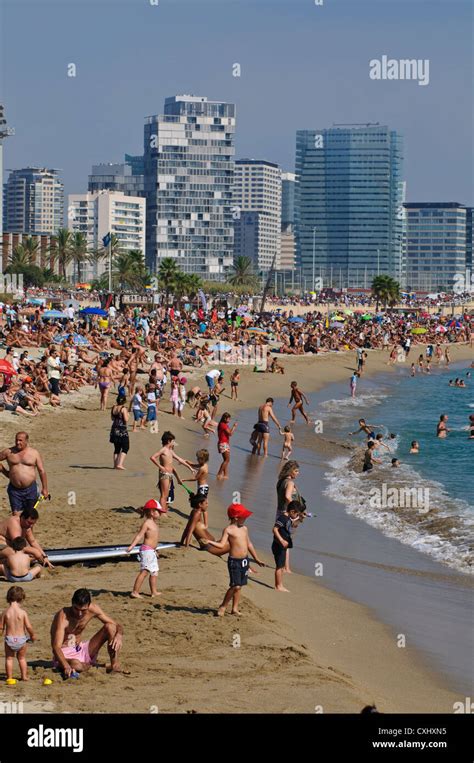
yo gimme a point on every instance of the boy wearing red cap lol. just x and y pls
(148, 537)
(236, 538)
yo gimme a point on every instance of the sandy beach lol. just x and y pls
(309, 651)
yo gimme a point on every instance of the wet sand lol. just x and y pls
(295, 652)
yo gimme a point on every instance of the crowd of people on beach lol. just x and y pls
(45, 359)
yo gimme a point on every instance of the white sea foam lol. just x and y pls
(450, 545)
(342, 407)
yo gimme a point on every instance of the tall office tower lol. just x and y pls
(257, 201)
(137, 163)
(436, 246)
(33, 201)
(101, 212)
(288, 243)
(469, 244)
(5, 132)
(115, 177)
(288, 184)
(349, 204)
(189, 173)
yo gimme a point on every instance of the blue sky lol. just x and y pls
(302, 66)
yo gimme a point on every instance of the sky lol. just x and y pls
(302, 66)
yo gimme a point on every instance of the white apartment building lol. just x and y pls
(257, 207)
(100, 212)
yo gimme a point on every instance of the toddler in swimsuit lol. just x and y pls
(15, 624)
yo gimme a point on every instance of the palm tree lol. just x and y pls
(61, 250)
(180, 287)
(243, 274)
(78, 252)
(194, 283)
(167, 273)
(21, 257)
(101, 283)
(386, 290)
(129, 270)
(32, 246)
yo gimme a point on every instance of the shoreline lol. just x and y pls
(335, 653)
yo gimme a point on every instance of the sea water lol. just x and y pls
(437, 483)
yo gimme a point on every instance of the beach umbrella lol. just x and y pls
(297, 319)
(7, 368)
(418, 331)
(54, 314)
(338, 318)
(94, 311)
(348, 312)
(440, 330)
(77, 339)
(336, 325)
(367, 317)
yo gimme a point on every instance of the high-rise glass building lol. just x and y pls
(349, 204)
(257, 205)
(438, 240)
(33, 201)
(115, 177)
(288, 183)
(189, 175)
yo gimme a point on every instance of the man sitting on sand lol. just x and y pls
(21, 525)
(70, 653)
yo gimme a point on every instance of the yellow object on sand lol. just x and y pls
(47, 682)
(10, 681)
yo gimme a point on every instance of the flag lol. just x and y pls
(107, 239)
(203, 300)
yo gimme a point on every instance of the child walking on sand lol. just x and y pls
(15, 625)
(287, 442)
(236, 538)
(298, 397)
(148, 537)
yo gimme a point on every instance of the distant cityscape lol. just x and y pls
(336, 219)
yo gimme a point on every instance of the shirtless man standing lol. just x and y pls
(23, 462)
(21, 526)
(72, 654)
(265, 412)
(175, 366)
(163, 459)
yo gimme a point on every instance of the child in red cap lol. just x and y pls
(236, 537)
(148, 537)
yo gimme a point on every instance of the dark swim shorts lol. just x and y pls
(22, 497)
(238, 571)
(279, 554)
(262, 427)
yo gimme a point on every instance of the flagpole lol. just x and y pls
(110, 265)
